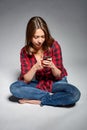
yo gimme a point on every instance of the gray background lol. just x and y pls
(67, 22)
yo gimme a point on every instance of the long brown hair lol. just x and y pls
(34, 24)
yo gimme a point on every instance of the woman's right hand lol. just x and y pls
(38, 66)
(30, 74)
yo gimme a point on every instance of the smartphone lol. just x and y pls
(47, 58)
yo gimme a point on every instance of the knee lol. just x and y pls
(77, 95)
(13, 87)
(75, 92)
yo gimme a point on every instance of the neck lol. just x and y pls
(38, 50)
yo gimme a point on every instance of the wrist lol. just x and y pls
(52, 66)
(34, 68)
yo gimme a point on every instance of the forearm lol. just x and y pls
(30, 74)
(55, 71)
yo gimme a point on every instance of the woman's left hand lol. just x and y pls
(47, 63)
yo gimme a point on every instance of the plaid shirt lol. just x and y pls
(44, 76)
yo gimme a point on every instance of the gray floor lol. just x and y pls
(14, 116)
(67, 22)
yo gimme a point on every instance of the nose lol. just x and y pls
(40, 40)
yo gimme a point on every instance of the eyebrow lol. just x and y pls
(39, 35)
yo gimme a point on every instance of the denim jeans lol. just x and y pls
(63, 93)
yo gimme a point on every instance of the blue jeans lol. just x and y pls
(63, 93)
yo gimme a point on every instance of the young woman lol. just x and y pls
(43, 78)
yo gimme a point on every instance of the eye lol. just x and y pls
(43, 36)
(36, 37)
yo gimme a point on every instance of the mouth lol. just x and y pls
(38, 45)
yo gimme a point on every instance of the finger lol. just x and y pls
(46, 62)
(49, 59)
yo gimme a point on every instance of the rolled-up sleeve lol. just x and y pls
(24, 60)
(57, 58)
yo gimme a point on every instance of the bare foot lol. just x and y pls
(22, 101)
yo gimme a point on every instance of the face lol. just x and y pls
(38, 39)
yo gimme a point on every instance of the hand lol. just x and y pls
(47, 62)
(38, 66)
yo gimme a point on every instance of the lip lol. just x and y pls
(39, 44)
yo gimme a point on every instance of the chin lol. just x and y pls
(38, 48)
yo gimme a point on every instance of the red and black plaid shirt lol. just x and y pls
(44, 76)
